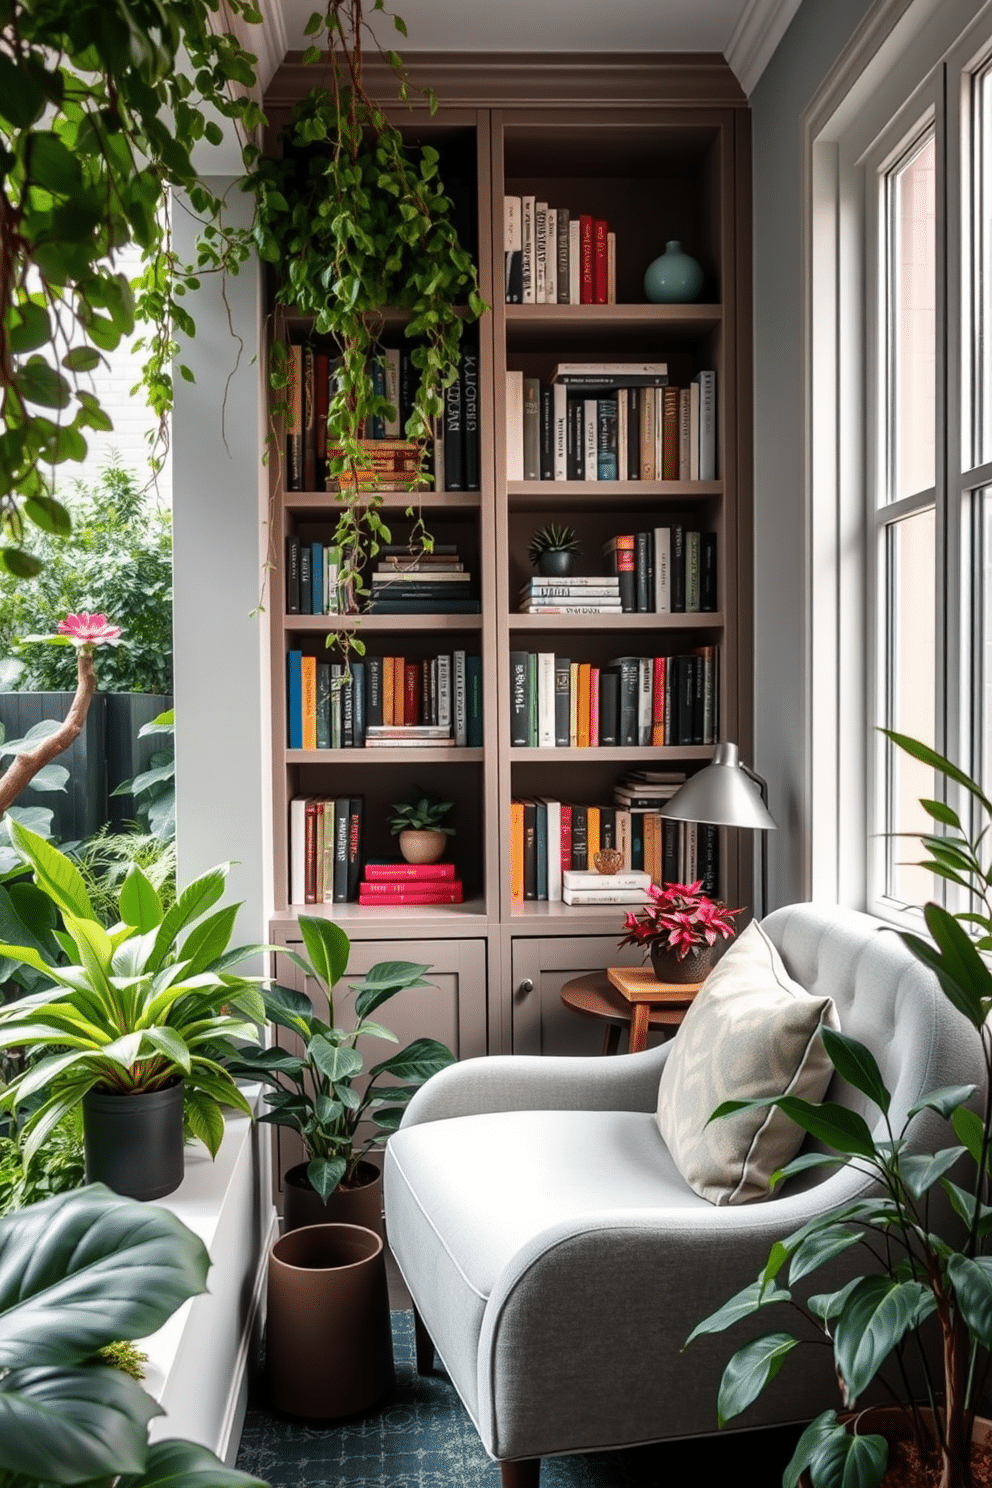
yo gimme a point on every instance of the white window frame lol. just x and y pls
(870, 105)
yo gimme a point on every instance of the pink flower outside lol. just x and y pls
(89, 630)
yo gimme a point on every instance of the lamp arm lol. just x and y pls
(758, 780)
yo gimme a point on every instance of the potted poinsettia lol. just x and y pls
(679, 928)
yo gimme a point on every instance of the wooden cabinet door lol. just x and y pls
(541, 1023)
(452, 1009)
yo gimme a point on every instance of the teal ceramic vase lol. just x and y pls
(674, 278)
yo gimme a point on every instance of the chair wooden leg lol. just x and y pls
(524, 1473)
(423, 1345)
(611, 1038)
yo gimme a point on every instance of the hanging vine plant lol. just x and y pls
(358, 222)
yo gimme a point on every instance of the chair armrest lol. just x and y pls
(521, 1082)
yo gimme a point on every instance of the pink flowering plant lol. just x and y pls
(679, 918)
(84, 629)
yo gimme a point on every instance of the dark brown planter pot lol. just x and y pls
(362, 1205)
(328, 1345)
(894, 1424)
(134, 1143)
(668, 968)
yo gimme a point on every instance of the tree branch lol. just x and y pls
(26, 766)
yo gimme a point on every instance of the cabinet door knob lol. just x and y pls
(525, 986)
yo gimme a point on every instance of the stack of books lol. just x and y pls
(410, 883)
(433, 583)
(578, 594)
(409, 736)
(605, 888)
(325, 848)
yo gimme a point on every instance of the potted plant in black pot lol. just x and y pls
(553, 550)
(679, 928)
(129, 1021)
(314, 1091)
(915, 1275)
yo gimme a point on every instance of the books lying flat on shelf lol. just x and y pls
(634, 701)
(611, 374)
(579, 595)
(379, 894)
(553, 846)
(402, 873)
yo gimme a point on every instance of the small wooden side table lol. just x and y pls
(595, 996)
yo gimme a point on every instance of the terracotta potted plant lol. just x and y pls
(314, 1090)
(419, 824)
(134, 1019)
(916, 1276)
(553, 550)
(679, 928)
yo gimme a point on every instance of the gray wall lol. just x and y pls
(223, 785)
(818, 33)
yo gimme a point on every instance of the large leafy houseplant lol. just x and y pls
(314, 1091)
(914, 1275)
(79, 1272)
(131, 1009)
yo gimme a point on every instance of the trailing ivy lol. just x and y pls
(101, 105)
(357, 223)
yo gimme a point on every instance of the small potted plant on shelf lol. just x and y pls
(915, 1274)
(130, 1021)
(313, 1090)
(679, 929)
(418, 822)
(553, 550)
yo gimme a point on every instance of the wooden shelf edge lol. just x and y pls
(423, 918)
(330, 624)
(379, 756)
(701, 314)
(319, 501)
(622, 620)
(606, 752)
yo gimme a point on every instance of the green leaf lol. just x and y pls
(336, 1061)
(184, 1464)
(22, 102)
(417, 1062)
(969, 1129)
(288, 1008)
(383, 981)
(193, 902)
(959, 968)
(938, 762)
(204, 1118)
(921, 1170)
(876, 1316)
(53, 872)
(139, 903)
(19, 564)
(838, 1126)
(48, 514)
(945, 1102)
(30, 327)
(835, 1457)
(746, 1302)
(328, 948)
(325, 1173)
(40, 383)
(62, 1425)
(82, 359)
(819, 1247)
(857, 1065)
(749, 1370)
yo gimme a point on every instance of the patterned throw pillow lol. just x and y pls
(751, 1031)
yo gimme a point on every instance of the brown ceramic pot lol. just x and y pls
(696, 965)
(894, 1424)
(361, 1205)
(422, 844)
(328, 1345)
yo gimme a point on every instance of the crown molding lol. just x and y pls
(533, 79)
(761, 27)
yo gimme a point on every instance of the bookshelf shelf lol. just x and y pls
(622, 621)
(674, 165)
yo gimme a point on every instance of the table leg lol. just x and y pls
(611, 1038)
(639, 1019)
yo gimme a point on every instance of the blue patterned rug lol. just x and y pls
(422, 1438)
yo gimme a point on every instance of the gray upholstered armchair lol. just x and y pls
(558, 1260)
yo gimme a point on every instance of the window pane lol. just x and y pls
(981, 657)
(982, 271)
(912, 244)
(909, 688)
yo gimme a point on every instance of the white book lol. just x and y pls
(559, 412)
(460, 699)
(551, 257)
(514, 425)
(607, 582)
(391, 359)
(694, 431)
(545, 700)
(604, 896)
(511, 224)
(659, 431)
(645, 690)
(540, 253)
(685, 414)
(663, 570)
(574, 262)
(297, 850)
(590, 421)
(582, 878)
(444, 691)
(563, 590)
(554, 850)
(527, 205)
(707, 424)
(559, 605)
(610, 369)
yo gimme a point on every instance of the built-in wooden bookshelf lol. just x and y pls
(660, 147)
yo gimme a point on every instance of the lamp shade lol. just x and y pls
(724, 794)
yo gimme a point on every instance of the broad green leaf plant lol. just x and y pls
(357, 222)
(131, 1008)
(77, 1273)
(314, 1091)
(914, 1275)
(102, 103)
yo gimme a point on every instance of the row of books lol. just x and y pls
(384, 702)
(425, 583)
(670, 570)
(549, 838)
(562, 431)
(557, 703)
(325, 848)
(552, 257)
(391, 462)
(409, 883)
